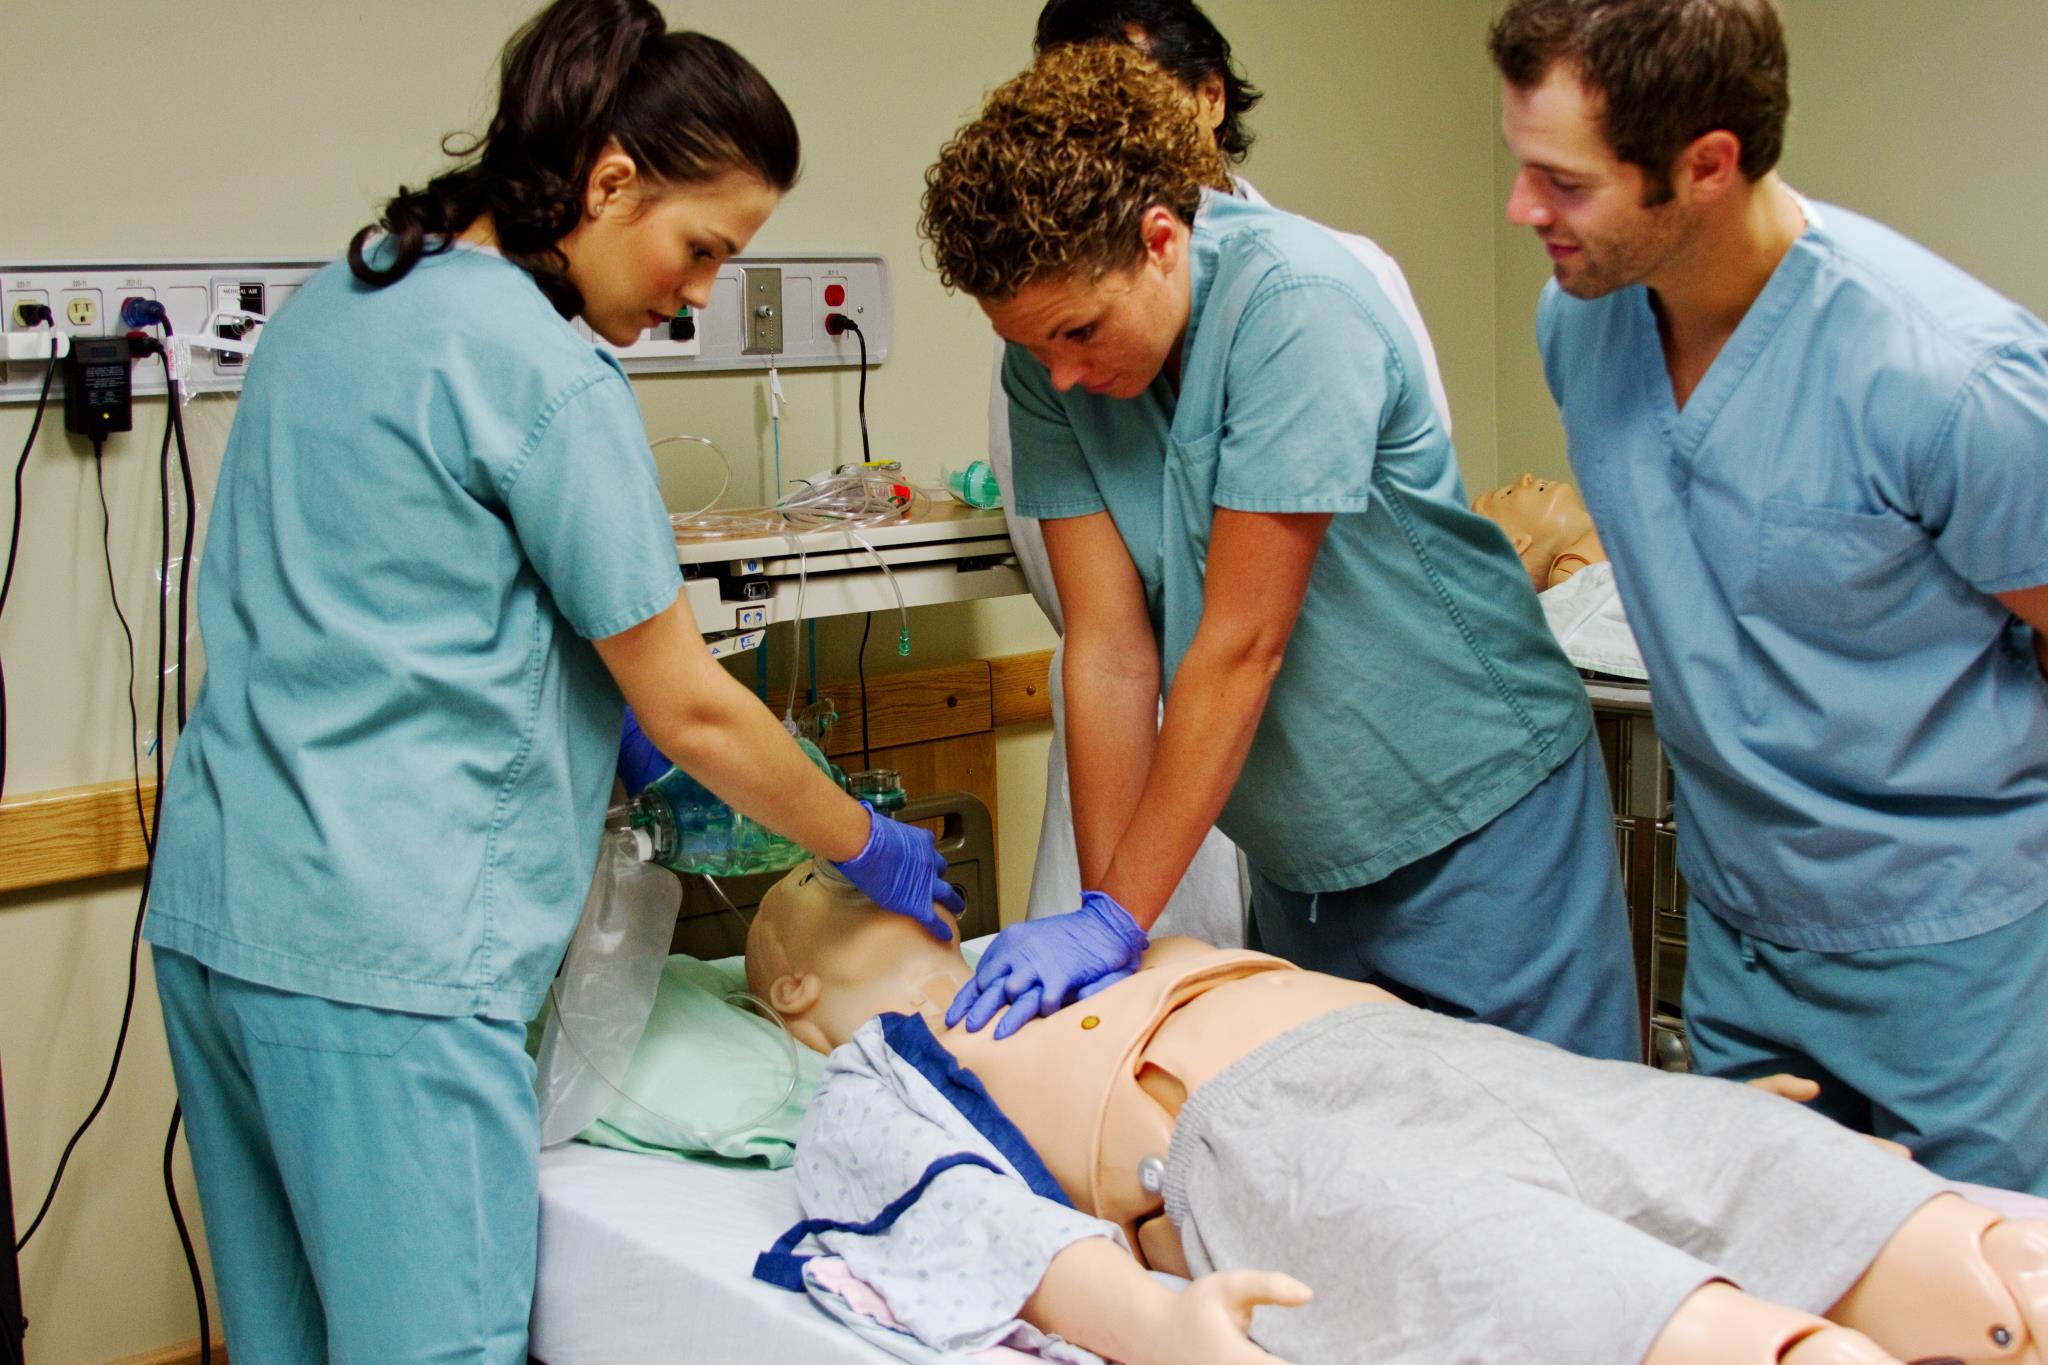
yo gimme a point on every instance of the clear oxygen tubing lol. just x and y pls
(725, 464)
(850, 499)
(620, 944)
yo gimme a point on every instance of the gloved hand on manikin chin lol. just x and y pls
(901, 869)
(1042, 965)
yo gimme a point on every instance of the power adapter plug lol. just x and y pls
(98, 395)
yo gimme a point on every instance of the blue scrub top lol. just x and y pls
(1806, 551)
(391, 790)
(1421, 694)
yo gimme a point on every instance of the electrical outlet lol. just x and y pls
(81, 312)
(21, 303)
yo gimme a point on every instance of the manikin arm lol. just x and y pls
(2031, 606)
(1095, 1295)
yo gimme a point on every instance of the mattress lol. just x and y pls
(646, 1258)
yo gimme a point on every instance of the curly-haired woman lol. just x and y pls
(1252, 506)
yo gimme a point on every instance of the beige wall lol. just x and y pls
(301, 116)
(1928, 117)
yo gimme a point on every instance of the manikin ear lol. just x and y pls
(1521, 540)
(1710, 166)
(793, 994)
(611, 178)
(1208, 99)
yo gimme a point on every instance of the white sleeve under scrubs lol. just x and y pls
(390, 793)
(1808, 551)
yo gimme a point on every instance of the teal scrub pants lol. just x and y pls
(1943, 1048)
(1521, 924)
(369, 1179)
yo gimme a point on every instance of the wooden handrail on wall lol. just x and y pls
(75, 833)
(72, 833)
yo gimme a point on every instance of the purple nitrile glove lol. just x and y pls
(1043, 964)
(639, 761)
(901, 869)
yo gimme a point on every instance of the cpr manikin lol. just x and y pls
(1548, 525)
(1100, 1088)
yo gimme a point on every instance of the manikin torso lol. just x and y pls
(1095, 1087)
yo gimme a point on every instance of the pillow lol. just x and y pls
(707, 1075)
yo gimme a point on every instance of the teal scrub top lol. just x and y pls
(1421, 694)
(391, 790)
(1806, 552)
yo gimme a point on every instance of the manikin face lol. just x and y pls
(1541, 517)
(1112, 334)
(1584, 202)
(1530, 503)
(644, 250)
(827, 959)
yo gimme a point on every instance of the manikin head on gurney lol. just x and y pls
(1548, 525)
(828, 960)
(1952, 1281)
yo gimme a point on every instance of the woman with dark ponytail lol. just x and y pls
(438, 564)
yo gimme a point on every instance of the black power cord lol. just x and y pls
(835, 323)
(11, 1330)
(860, 669)
(174, 434)
(99, 469)
(185, 1236)
(14, 545)
(174, 429)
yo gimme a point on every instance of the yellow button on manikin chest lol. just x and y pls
(1091, 1021)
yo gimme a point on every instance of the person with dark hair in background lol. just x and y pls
(1178, 38)
(1254, 513)
(439, 555)
(1818, 456)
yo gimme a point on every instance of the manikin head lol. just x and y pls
(1543, 519)
(1637, 123)
(828, 959)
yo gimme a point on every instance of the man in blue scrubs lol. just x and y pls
(1816, 453)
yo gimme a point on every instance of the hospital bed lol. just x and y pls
(651, 1258)
(643, 1258)
(647, 1259)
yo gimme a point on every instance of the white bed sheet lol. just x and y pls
(646, 1259)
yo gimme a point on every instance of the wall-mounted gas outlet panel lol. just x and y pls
(216, 299)
(801, 292)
